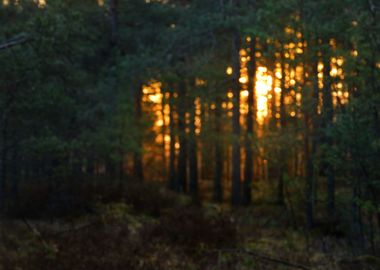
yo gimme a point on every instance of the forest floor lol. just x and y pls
(149, 227)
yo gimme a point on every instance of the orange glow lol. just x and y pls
(264, 83)
(243, 80)
(229, 70)
(244, 93)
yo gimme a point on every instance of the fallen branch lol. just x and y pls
(36, 232)
(14, 42)
(265, 258)
(76, 228)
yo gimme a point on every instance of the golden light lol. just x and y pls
(243, 80)
(298, 97)
(155, 98)
(354, 53)
(229, 70)
(159, 122)
(199, 82)
(101, 3)
(334, 72)
(262, 69)
(264, 84)
(289, 30)
(320, 67)
(5, 2)
(244, 94)
(230, 95)
(41, 3)
(340, 61)
(146, 90)
(242, 52)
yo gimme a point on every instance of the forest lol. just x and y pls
(189, 134)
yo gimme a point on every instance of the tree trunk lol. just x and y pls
(218, 153)
(282, 161)
(2, 178)
(3, 163)
(137, 155)
(328, 113)
(15, 176)
(193, 158)
(172, 173)
(113, 22)
(249, 166)
(182, 157)
(311, 141)
(236, 159)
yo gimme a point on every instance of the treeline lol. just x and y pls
(71, 105)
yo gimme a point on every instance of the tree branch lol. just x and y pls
(14, 42)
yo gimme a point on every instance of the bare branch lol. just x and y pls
(14, 42)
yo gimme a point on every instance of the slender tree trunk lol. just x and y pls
(172, 173)
(113, 21)
(3, 163)
(273, 118)
(356, 225)
(2, 178)
(311, 140)
(137, 155)
(182, 157)
(16, 173)
(163, 133)
(282, 161)
(249, 166)
(218, 153)
(328, 113)
(193, 155)
(236, 159)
